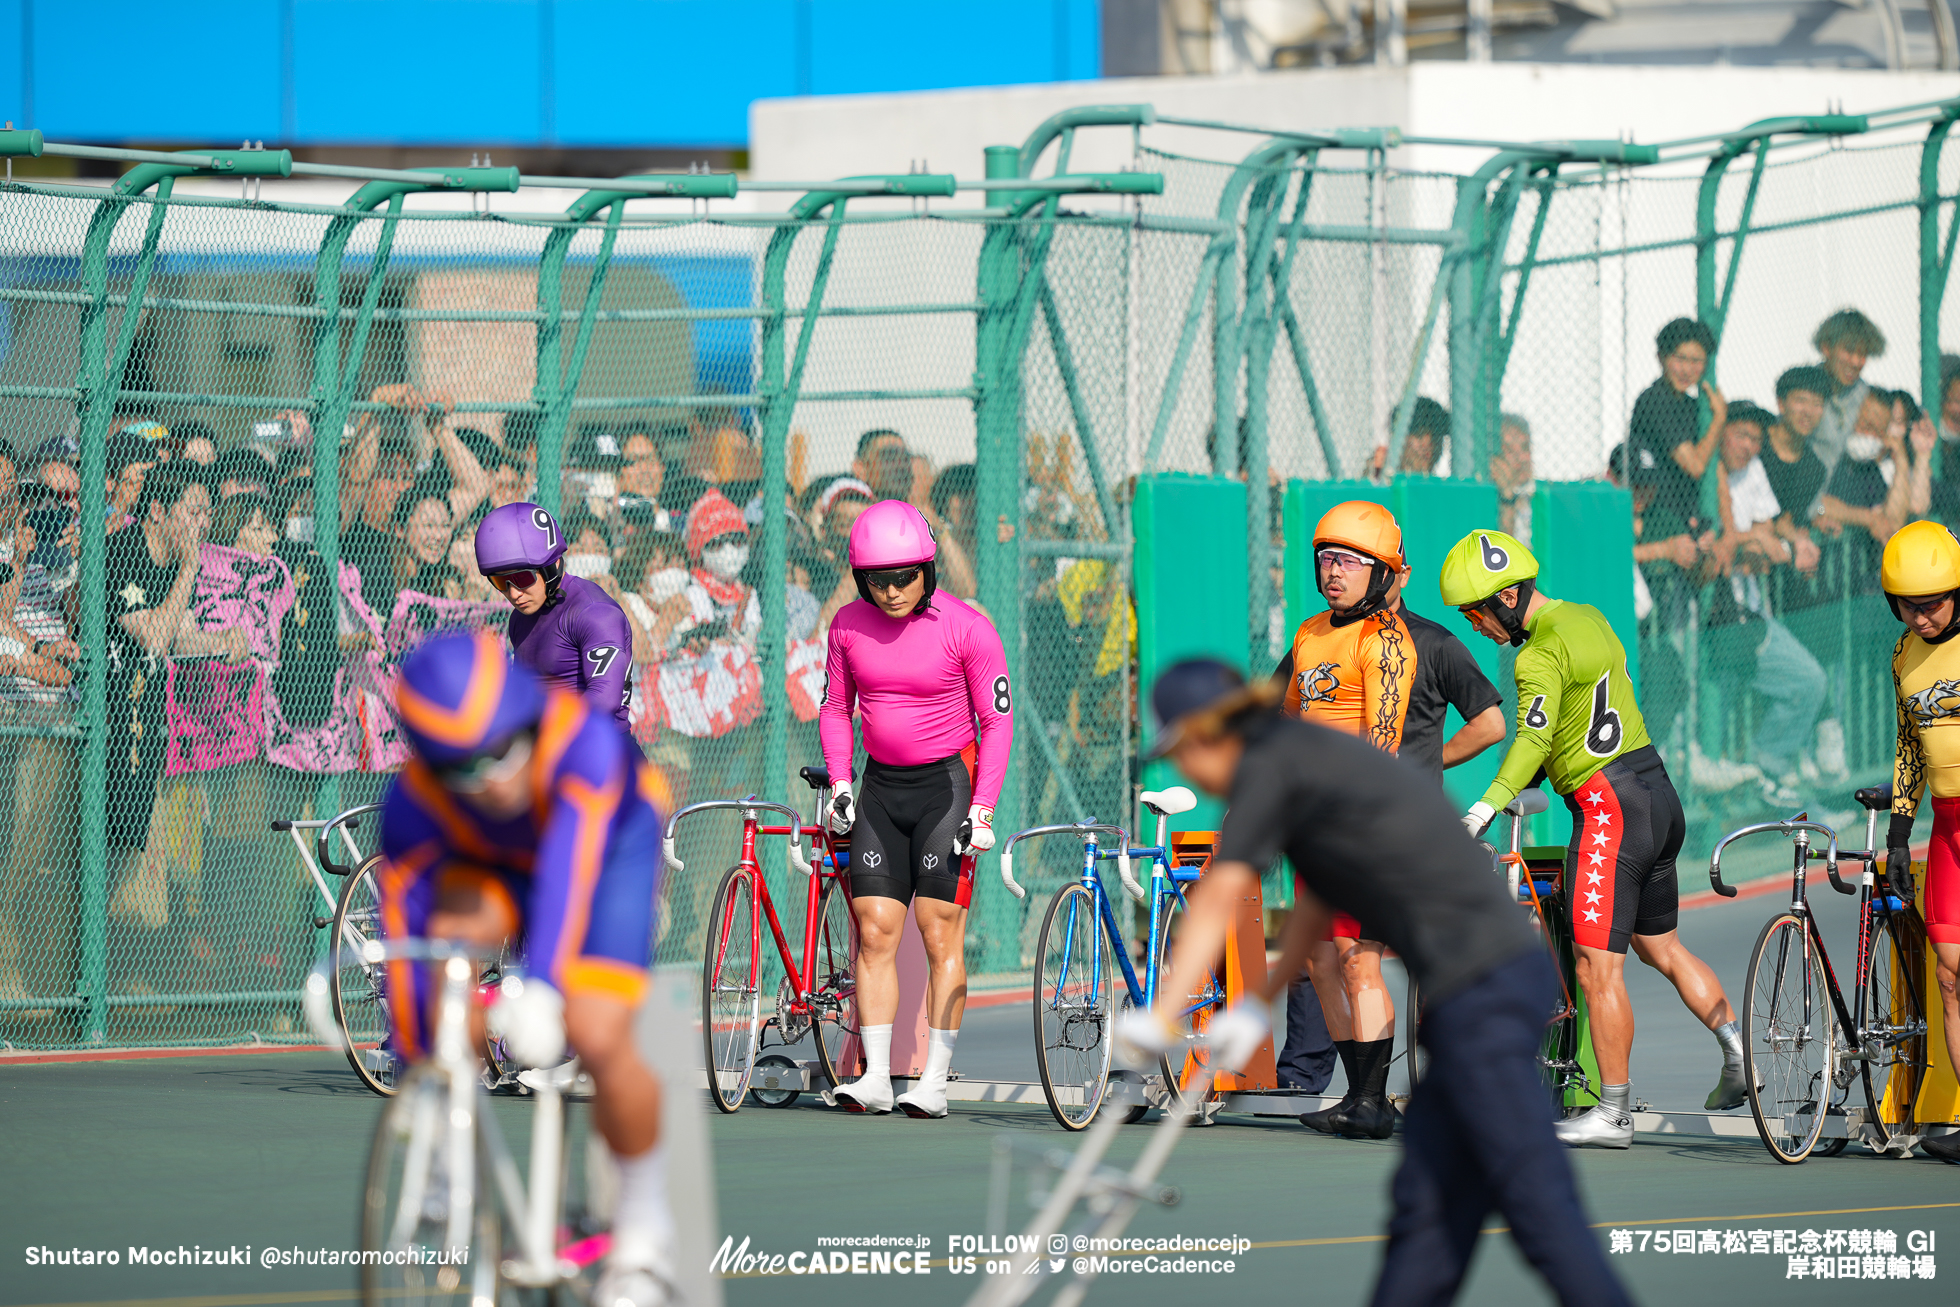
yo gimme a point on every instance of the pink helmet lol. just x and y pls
(890, 533)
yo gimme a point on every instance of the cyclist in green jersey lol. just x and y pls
(1579, 726)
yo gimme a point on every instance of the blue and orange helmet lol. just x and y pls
(461, 697)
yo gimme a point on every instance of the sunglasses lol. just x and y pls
(523, 579)
(1341, 560)
(892, 578)
(478, 772)
(1922, 607)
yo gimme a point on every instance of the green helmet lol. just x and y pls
(1481, 565)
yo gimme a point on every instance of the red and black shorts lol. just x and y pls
(1627, 828)
(908, 819)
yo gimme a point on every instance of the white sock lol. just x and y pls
(939, 1057)
(877, 1051)
(643, 1225)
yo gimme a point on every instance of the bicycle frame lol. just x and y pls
(320, 856)
(803, 975)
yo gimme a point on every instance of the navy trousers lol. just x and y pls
(1306, 1062)
(1478, 1138)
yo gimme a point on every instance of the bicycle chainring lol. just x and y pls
(793, 1025)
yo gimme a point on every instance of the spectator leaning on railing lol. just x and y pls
(1666, 422)
(1845, 342)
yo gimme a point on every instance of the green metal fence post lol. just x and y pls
(1934, 262)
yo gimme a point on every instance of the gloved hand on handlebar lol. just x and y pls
(1898, 856)
(976, 832)
(1478, 817)
(843, 809)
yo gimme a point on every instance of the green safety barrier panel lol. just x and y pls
(1191, 593)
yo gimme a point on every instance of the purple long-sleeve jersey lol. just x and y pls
(582, 643)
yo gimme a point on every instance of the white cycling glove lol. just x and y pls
(1236, 1033)
(1477, 818)
(976, 832)
(843, 809)
(529, 1016)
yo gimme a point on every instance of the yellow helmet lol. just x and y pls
(1481, 566)
(1921, 558)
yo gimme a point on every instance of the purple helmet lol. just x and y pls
(517, 536)
(461, 696)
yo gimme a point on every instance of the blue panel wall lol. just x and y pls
(603, 73)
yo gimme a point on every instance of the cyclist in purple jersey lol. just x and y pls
(566, 629)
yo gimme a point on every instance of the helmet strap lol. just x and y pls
(1380, 578)
(1511, 617)
(554, 579)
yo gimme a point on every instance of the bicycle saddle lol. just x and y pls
(1168, 803)
(1877, 797)
(819, 777)
(1527, 803)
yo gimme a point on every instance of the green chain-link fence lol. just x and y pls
(248, 440)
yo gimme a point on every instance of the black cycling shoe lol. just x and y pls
(1945, 1148)
(1369, 1117)
(1324, 1118)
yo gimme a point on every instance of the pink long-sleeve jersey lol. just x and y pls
(921, 683)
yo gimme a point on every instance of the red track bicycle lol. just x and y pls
(817, 996)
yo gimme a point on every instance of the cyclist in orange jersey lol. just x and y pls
(1369, 667)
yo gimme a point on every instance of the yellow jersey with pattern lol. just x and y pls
(1576, 710)
(1355, 678)
(1926, 681)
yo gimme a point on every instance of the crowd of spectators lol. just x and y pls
(1752, 527)
(240, 668)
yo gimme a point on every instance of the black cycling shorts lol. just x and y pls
(1627, 828)
(907, 819)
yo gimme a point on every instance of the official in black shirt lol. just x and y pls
(1372, 836)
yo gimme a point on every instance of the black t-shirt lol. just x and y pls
(1860, 485)
(1663, 419)
(1796, 484)
(309, 639)
(1447, 676)
(1370, 839)
(133, 582)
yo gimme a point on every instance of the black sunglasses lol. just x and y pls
(892, 578)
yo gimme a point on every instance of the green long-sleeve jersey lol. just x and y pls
(1576, 711)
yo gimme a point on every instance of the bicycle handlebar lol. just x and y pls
(669, 861)
(1130, 885)
(1789, 827)
(316, 996)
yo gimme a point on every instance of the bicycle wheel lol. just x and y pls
(1193, 1010)
(1788, 1039)
(420, 1202)
(731, 998)
(834, 987)
(1075, 981)
(1894, 1037)
(358, 989)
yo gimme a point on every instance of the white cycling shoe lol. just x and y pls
(923, 1101)
(634, 1286)
(865, 1094)
(1141, 1037)
(1603, 1127)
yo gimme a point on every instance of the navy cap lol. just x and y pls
(1184, 688)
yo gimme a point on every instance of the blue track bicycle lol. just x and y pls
(1081, 951)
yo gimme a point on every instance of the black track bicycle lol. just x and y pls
(1803, 1043)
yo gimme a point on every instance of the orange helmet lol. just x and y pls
(1364, 527)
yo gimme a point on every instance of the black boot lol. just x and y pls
(1945, 1147)
(1319, 1120)
(1369, 1114)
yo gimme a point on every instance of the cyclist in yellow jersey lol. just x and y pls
(1921, 573)
(1578, 725)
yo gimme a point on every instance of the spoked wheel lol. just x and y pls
(731, 996)
(420, 1205)
(358, 989)
(1788, 1039)
(834, 992)
(1075, 984)
(1193, 1011)
(1895, 1028)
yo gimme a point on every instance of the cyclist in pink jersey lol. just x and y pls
(929, 677)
